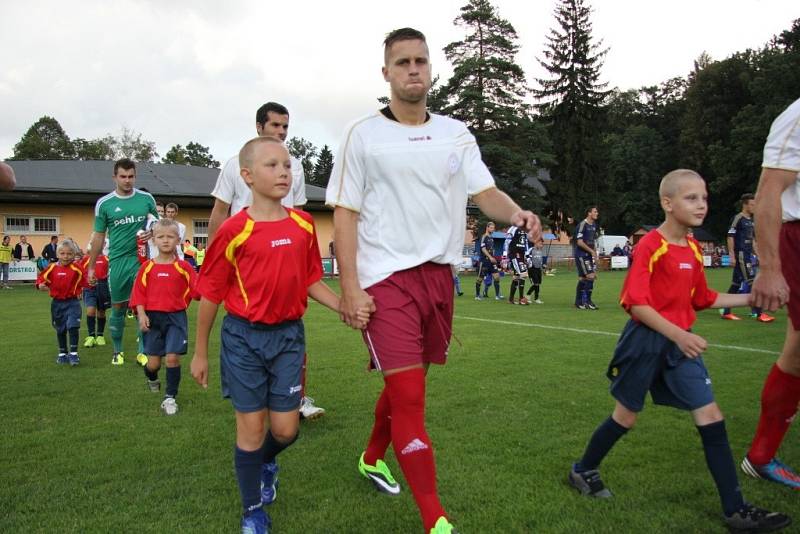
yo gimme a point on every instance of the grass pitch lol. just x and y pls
(87, 449)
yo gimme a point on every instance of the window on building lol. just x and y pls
(199, 231)
(31, 224)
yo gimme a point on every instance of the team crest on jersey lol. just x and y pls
(453, 163)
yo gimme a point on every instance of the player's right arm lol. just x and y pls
(770, 290)
(353, 299)
(218, 215)
(206, 314)
(98, 240)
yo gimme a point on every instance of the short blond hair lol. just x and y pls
(162, 224)
(249, 148)
(70, 244)
(671, 181)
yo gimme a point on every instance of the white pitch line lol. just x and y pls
(601, 333)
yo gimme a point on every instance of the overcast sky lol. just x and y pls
(196, 70)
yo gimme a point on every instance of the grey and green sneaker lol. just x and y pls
(380, 476)
(154, 385)
(588, 483)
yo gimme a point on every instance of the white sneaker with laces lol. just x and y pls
(169, 406)
(308, 410)
(537, 301)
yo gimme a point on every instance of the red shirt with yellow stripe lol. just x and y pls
(164, 287)
(65, 281)
(262, 270)
(100, 267)
(669, 278)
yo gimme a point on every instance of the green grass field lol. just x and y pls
(87, 449)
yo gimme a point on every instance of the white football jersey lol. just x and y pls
(782, 151)
(410, 186)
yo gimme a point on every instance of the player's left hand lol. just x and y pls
(530, 222)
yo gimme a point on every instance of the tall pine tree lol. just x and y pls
(487, 91)
(323, 167)
(571, 100)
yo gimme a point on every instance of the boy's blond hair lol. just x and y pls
(70, 244)
(163, 224)
(247, 151)
(671, 181)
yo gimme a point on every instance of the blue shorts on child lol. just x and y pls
(168, 333)
(645, 360)
(97, 296)
(65, 314)
(260, 364)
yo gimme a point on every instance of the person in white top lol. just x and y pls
(231, 195)
(170, 212)
(777, 283)
(403, 172)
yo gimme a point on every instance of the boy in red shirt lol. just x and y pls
(263, 263)
(97, 300)
(66, 281)
(162, 290)
(657, 351)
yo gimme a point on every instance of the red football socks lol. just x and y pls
(779, 400)
(412, 446)
(381, 432)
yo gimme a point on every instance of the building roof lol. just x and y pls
(78, 182)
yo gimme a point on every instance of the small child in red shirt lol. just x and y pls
(658, 352)
(66, 281)
(263, 263)
(96, 299)
(162, 290)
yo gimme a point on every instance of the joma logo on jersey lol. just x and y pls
(686, 266)
(130, 219)
(281, 242)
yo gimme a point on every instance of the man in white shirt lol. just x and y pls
(170, 212)
(402, 172)
(777, 283)
(231, 195)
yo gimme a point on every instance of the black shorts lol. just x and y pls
(585, 265)
(486, 267)
(518, 266)
(535, 274)
(645, 360)
(168, 333)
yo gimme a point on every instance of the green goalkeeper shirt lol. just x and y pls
(120, 218)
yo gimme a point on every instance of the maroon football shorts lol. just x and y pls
(413, 320)
(790, 264)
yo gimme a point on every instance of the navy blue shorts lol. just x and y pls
(168, 333)
(645, 360)
(97, 296)
(65, 314)
(585, 265)
(486, 267)
(260, 364)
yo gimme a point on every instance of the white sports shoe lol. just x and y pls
(537, 301)
(169, 406)
(308, 410)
